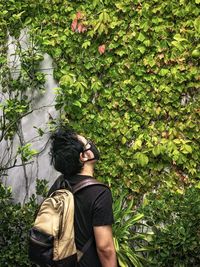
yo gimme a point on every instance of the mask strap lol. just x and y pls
(90, 159)
(86, 149)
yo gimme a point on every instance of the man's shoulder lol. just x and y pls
(97, 188)
(99, 193)
(95, 193)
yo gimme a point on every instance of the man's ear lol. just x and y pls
(83, 157)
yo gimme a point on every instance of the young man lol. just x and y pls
(75, 157)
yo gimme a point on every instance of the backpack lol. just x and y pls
(52, 238)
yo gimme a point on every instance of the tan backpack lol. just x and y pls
(52, 238)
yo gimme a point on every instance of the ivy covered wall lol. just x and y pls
(128, 78)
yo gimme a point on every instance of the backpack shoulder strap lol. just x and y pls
(79, 186)
(85, 183)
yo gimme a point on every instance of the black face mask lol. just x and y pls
(94, 150)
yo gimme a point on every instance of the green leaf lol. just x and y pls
(95, 2)
(186, 149)
(197, 22)
(178, 45)
(120, 52)
(142, 49)
(124, 140)
(67, 79)
(179, 38)
(157, 150)
(141, 158)
(141, 37)
(18, 16)
(137, 144)
(163, 72)
(77, 103)
(137, 217)
(86, 44)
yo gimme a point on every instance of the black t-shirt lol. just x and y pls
(93, 207)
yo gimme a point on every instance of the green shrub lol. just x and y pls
(175, 220)
(15, 221)
(129, 238)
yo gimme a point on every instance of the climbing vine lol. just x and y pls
(20, 82)
(129, 79)
(128, 75)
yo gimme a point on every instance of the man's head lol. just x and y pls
(71, 152)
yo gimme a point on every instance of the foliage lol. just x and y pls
(42, 187)
(20, 82)
(15, 221)
(128, 78)
(16, 103)
(128, 75)
(129, 237)
(175, 220)
(26, 152)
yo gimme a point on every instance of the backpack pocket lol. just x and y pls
(41, 247)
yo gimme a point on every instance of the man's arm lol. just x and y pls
(105, 245)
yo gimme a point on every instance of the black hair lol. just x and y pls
(65, 151)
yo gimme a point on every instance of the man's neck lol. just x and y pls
(87, 170)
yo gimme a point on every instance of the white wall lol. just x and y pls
(43, 106)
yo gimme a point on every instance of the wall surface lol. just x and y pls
(22, 179)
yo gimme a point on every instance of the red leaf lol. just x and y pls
(84, 29)
(74, 25)
(79, 15)
(80, 27)
(101, 49)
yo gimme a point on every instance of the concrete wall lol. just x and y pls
(22, 180)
